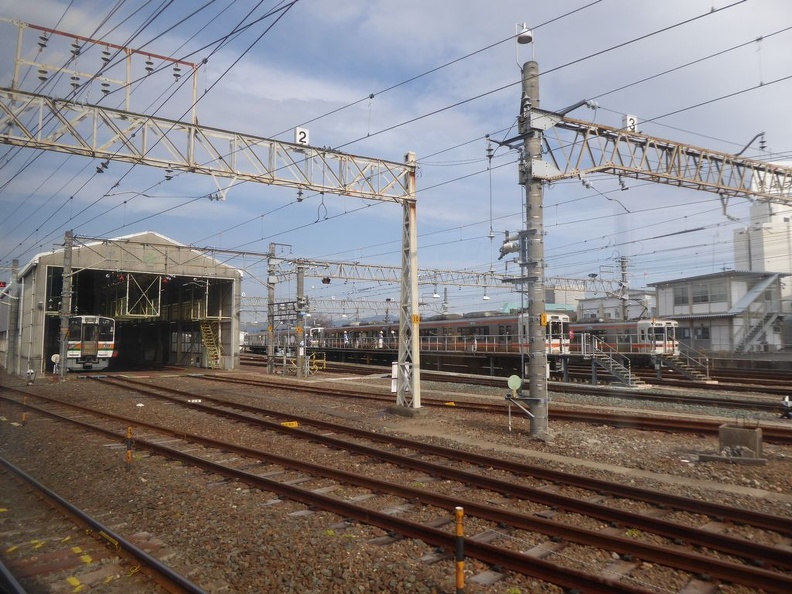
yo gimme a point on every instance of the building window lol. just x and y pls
(681, 296)
(701, 333)
(684, 333)
(709, 292)
(718, 292)
(700, 293)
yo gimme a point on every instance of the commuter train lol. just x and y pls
(652, 336)
(90, 343)
(492, 331)
(486, 331)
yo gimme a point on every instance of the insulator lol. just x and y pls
(105, 88)
(75, 81)
(176, 72)
(105, 56)
(75, 50)
(42, 42)
(42, 75)
(149, 66)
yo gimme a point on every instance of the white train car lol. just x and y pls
(650, 337)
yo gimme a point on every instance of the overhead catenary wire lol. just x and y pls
(282, 11)
(569, 13)
(463, 177)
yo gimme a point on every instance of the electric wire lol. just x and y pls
(282, 12)
(464, 177)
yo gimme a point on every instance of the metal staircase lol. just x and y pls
(755, 331)
(211, 343)
(609, 359)
(690, 367)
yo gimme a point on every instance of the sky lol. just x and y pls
(379, 78)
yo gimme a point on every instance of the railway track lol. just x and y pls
(738, 383)
(545, 508)
(642, 420)
(744, 395)
(52, 545)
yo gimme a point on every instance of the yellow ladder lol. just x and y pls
(211, 343)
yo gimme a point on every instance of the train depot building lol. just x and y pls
(172, 304)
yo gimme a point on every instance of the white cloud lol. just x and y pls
(327, 57)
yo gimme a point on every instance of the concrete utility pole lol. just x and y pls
(532, 252)
(65, 308)
(13, 321)
(624, 294)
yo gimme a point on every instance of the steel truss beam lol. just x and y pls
(104, 133)
(574, 148)
(324, 305)
(385, 274)
(457, 278)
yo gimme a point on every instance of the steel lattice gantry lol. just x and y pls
(104, 133)
(40, 122)
(356, 271)
(384, 274)
(574, 148)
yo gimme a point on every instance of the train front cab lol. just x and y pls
(659, 336)
(557, 336)
(90, 343)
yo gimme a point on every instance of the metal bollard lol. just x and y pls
(129, 449)
(460, 551)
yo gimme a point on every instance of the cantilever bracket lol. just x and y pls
(517, 399)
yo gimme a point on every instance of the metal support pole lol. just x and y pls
(65, 308)
(300, 322)
(271, 280)
(409, 380)
(533, 264)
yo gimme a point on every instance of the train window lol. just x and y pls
(106, 327)
(90, 332)
(75, 328)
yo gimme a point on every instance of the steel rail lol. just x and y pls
(517, 562)
(8, 583)
(724, 543)
(748, 517)
(770, 433)
(585, 388)
(696, 563)
(153, 567)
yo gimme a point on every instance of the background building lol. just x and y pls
(633, 305)
(172, 304)
(726, 312)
